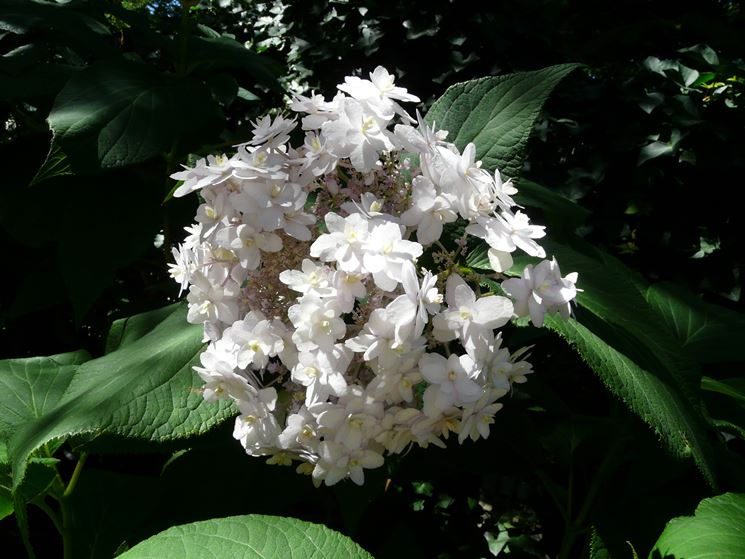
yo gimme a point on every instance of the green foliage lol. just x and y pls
(497, 114)
(709, 333)
(106, 114)
(717, 529)
(115, 100)
(102, 100)
(658, 403)
(252, 536)
(144, 389)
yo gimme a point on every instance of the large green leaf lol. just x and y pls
(711, 334)
(32, 388)
(130, 329)
(112, 115)
(145, 390)
(615, 294)
(496, 113)
(657, 401)
(716, 531)
(248, 537)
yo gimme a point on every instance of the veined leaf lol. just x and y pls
(112, 115)
(31, 388)
(55, 165)
(250, 537)
(615, 294)
(561, 211)
(711, 334)
(145, 390)
(716, 531)
(659, 403)
(496, 113)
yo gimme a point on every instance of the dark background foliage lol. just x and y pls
(102, 100)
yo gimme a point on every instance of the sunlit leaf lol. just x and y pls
(249, 537)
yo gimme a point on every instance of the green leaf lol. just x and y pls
(716, 531)
(710, 333)
(497, 114)
(479, 257)
(215, 53)
(561, 211)
(659, 403)
(38, 480)
(144, 390)
(57, 22)
(733, 387)
(112, 115)
(128, 330)
(725, 400)
(246, 95)
(31, 388)
(653, 151)
(644, 354)
(248, 537)
(55, 165)
(706, 53)
(41, 475)
(616, 294)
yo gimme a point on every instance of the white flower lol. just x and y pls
(409, 311)
(357, 135)
(218, 373)
(301, 431)
(322, 372)
(317, 108)
(318, 160)
(257, 428)
(349, 287)
(336, 462)
(272, 133)
(463, 178)
(451, 382)
(542, 290)
(505, 232)
(247, 244)
(317, 323)
(468, 318)
(212, 170)
(349, 353)
(313, 278)
(183, 267)
(343, 243)
(428, 211)
(353, 421)
(478, 416)
(256, 340)
(386, 253)
(378, 93)
(211, 303)
(423, 139)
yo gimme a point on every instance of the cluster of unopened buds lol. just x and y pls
(308, 269)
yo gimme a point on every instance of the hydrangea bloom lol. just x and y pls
(306, 268)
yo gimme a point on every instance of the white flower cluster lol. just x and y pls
(333, 342)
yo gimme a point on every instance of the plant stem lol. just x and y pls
(19, 508)
(53, 516)
(62, 494)
(75, 475)
(575, 528)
